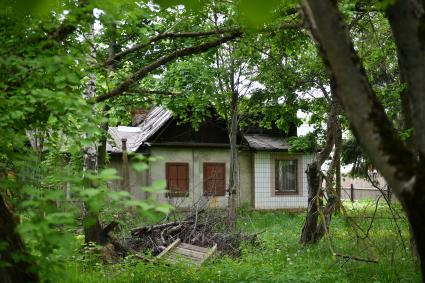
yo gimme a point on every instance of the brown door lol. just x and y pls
(214, 179)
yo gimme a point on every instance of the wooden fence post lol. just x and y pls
(351, 192)
(125, 181)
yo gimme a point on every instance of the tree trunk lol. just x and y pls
(92, 229)
(19, 268)
(403, 170)
(337, 158)
(309, 234)
(233, 187)
(414, 207)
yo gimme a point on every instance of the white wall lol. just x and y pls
(264, 168)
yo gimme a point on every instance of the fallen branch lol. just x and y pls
(350, 257)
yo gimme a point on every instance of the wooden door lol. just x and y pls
(214, 179)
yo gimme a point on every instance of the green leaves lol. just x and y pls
(304, 144)
(255, 13)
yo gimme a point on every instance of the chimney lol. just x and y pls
(138, 116)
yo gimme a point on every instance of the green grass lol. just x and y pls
(280, 258)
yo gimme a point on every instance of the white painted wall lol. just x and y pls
(263, 168)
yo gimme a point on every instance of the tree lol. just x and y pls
(402, 168)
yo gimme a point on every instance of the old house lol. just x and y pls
(195, 164)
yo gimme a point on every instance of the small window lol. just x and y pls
(214, 179)
(177, 175)
(286, 177)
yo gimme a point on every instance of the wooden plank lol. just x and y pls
(193, 258)
(211, 252)
(167, 249)
(186, 253)
(174, 258)
(180, 256)
(194, 248)
(191, 253)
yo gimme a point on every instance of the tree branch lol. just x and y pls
(164, 35)
(157, 91)
(143, 72)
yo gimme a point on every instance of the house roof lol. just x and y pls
(159, 116)
(136, 136)
(266, 142)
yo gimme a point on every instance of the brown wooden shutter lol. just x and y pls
(177, 175)
(214, 179)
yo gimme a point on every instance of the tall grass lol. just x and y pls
(280, 258)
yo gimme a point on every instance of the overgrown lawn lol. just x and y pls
(278, 257)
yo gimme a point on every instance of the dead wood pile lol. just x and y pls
(203, 228)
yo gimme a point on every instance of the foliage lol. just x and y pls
(50, 206)
(46, 58)
(306, 143)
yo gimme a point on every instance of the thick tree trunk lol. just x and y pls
(19, 268)
(233, 187)
(403, 170)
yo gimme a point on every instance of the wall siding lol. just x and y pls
(263, 168)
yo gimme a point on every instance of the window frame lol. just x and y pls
(214, 194)
(276, 192)
(171, 193)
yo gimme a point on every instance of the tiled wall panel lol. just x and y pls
(264, 197)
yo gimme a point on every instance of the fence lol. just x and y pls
(358, 193)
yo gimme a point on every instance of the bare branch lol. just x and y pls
(348, 257)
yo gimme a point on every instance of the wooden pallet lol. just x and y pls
(186, 253)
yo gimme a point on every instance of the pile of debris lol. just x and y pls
(204, 228)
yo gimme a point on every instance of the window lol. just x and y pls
(286, 177)
(214, 179)
(177, 175)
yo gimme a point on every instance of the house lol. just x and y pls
(195, 164)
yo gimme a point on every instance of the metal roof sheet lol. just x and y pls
(135, 136)
(266, 142)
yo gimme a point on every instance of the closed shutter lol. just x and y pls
(177, 175)
(214, 179)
